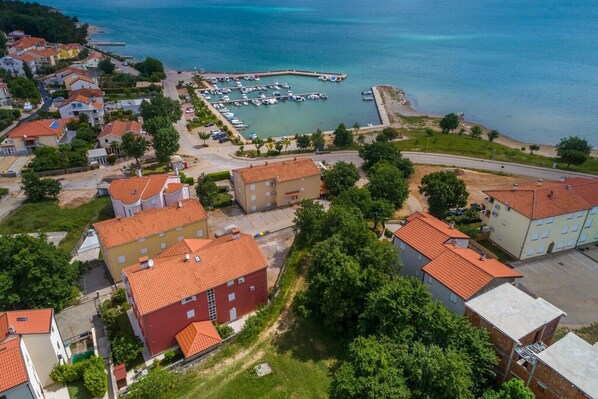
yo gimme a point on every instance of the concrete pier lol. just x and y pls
(385, 121)
(297, 72)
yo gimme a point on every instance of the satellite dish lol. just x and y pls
(150, 263)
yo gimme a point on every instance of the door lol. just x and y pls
(550, 248)
(233, 314)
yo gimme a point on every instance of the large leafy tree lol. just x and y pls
(303, 141)
(161, 106)
(134, 146)
(573, 150)
(86, 133)
(512, 389)
(387, 183)
(449, 122)
(38, 189)
(24, 88)
(107, 66)
(166, 143)
(385, 152)
(308, 223)
(378, 211)
(317, 140)
(443, 191)
(151, 68)
(342, 136)
(156, 385)
(340, 177)
(156, 123)
(206, 190)
(34, 274)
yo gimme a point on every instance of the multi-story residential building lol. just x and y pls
(77, 82)
(4, 94)
(276, 184)
(93, 60)
(25, 44)
(147, 233)
(438, 254)
(15, 64)
(135, 194)
(113, 132)
(68, 51)
(16, 35)
(44, 57)
(538, 219)
(59, 76)
(28, 136)
(194, 281)
(30, 346)
(88, 102)
(519, 326)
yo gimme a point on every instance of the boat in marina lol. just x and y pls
(276, 93)
(322, 77)
(265, 102)
(262, 95)
(333, 78)
(237, 104)
(256, 102)
(256, 77)
(285, 86)
(298, 98)
(368, 98)
(225, 98)
(272, 101)
(366, 93)
(323, 96)
(252, 135)
(244, 96)
(245, 103)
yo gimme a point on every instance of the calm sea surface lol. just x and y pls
(526, 68)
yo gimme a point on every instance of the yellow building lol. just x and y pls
(68, 51)
(147, 233)
(276, 184)
(547, 217)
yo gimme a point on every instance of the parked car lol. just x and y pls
(223, 139)
(477, 207)
(225, 230)
(190, 110)
(209, 124)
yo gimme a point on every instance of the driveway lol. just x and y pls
(253, 223)
(567, 280)
(275, 248)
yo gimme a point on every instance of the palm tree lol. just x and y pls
(286, 143)
(278, 146)
(259, 143)
(270, 146)
(204, 136)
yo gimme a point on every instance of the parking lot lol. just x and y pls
(567, 280)
(253, 223)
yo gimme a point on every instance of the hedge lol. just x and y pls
(91, 370)
(216, 176)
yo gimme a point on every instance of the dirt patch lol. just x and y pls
(75, 198)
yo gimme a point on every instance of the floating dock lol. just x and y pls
(241, 100)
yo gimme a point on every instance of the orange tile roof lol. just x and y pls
(44, 127)
(281, 171)
(28, 42)
(118, 128)
(462, 271)
(174, 187)
(134, 189)
(70, 70)
(538, 202)
(197, 337)
(85, 96)
(426, 234)
(69, 80)
(120, 372)
(3, 326)
(12, 364)
(117, 231)
(187, 246)
(586, 188)
(88, 92)
(172, 278)
(45, 52)
(24, 57)
(35, 321)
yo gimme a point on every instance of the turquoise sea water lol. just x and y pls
(526, 68)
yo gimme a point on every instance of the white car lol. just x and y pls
(190, 110)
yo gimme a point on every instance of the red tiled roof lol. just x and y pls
(44, 127)
(12, 364)
(538, 202)
(146, 223)
(69, 71)
(85, 96)
(133, 189)
(120, 372)
(24, 57)
(45, 52)
(28, 42)
(279, 171)
(462, 271)
(426, 234)
(183, 247)
(173, 188)
(3, 326)
(75, 77)
(118, 128)
(35, 321)
(3, 85)
(586, 188)
(197, 337)
(172, 278)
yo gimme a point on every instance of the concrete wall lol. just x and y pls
(23, 391)
(588, 234)
(34, 385)
(412, 260)
(150, 247)
(509, 227)
(443, 294)
(555, 234)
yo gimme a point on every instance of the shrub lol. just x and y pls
(112, 159)
(169, 355)
(94, 376)
(387, 233)
(3, 192)
(224, 330)
(125, 348)
(119, 297)
(217, 176)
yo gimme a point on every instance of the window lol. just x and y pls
(453, 297)
(228, 284)
(200, 233)
(596, 237)
(497, 207)
(188, 299)
(252, 288)
(540, 222)
(180, 238)
(541, 249)
(594, 210)
(179, 228)
(142, 239)
(583, 237)
(570, 243)
(575, 227)
(163, 245)
(231, 297)
(121, 259)
(253, 197)
(241, 280)
(143, 251)
(545, 234)
(570, 216)
(191, 313)
(588, 223)
(579, 214)
(252, 187)
(565, 230)
(58, 344)
(161, 234)
(549, 220)
(541, 386)
(560, 245)
(534, 236)
(530, 251)
(402, 245)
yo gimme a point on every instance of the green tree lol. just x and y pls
(34, 274)
(161, 106)
(307, 223)
(204, 136)
(125, 349)
(512, 389)
(86, 133)
(573, 150)
(390, 133)
(317, 140)
(166, 143)
(340, 177)
(533, 147)
(361, 139)
(278, 146)
(342, 136)
(156, 385)
(156, 123)
(449, 122)
(258, 143)
(151, 68)
(206, 190)
(387, 183)
(385, 152)
(107, 66)
(493, 135)
(476, 132)
(134, 146)
(356, 127)
(94, 376)
(286, 143)
(380, 211)
(38, 189)
(24, 89)
(443, 191)
(303, 141)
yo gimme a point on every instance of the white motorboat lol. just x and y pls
(272, 101)
(245, 103)
(298, 98)
(256, 102)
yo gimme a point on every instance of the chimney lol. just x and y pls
(145, 262)
(539, 183)
(179, 204)
(251, 166)
(176, 171)
(187, 257)
(515, 187)
(294, 158)
(266, 163)
(550, 194)
(562, 179)
(11, 330)
(568, 187)
(138, 172)
(452, 225)
(118, 218)
(235, 233)
(197, 259)
(482, 256)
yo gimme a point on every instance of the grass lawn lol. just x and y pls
(48, 216)
(223, 200)
(124, 326)
(589, 333)
(78, 391)
(496, 250)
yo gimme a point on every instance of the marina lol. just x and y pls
(331, 76)
(293, 97)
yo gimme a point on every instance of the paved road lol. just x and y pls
(44, 107)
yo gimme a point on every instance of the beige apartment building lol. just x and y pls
(147, 233)
(545, 217)
(276, 184)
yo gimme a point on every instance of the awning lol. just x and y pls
(292, 193)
